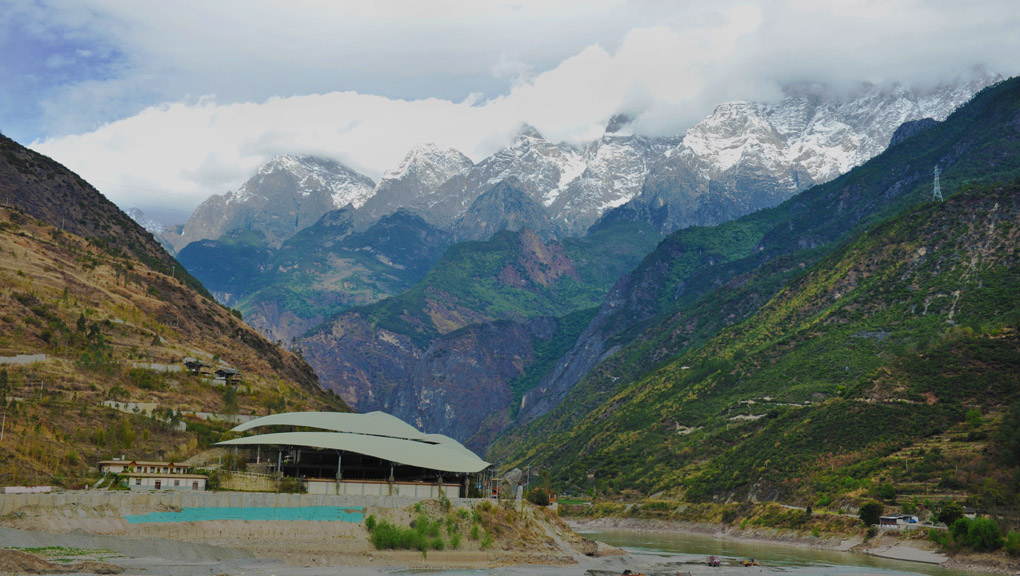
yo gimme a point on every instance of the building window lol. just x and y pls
(138, 481)
(194, 485)
(177, 482)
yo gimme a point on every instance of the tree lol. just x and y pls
(887, 491)
(871, 513)
(960, 529)
(984, 535)
(229, 400)
(973, 418)
(538, 496)
(950, 512)
(1008, 438)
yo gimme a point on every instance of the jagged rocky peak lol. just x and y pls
(145, 221)
(618, 122)
(528, 131)
(313, 174)
(429, 165)
(302, 188)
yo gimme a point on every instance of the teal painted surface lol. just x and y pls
(203, 514)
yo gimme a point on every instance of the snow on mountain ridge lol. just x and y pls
(314, 175)
(824, 134)
(429, 164)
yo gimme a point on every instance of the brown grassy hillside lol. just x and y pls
(106, 323)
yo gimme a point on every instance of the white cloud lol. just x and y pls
(363, 82)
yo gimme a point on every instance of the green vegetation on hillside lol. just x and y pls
(510, 276)
(823, 349)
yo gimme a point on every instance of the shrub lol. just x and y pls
(960, 529)
(538, 496)
(870, 513)
(1013, 543)
(950, 512)
(887, 491)
(370, 522)
(984, 534)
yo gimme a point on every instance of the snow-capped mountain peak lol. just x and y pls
(313, 175)
(430, 165)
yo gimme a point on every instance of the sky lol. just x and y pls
(162, 104)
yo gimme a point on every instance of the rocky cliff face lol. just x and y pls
(505, 207)
(440, 358)
(287, 194)
(572, 186)
(911, 129)
(415, 185)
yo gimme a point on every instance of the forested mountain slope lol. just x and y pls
(776, 355)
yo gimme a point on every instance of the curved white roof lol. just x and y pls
(374, 434)
(372, 423)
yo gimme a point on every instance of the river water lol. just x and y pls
(671, 553)
(791, 559)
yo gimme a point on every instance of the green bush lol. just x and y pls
(870, 513)
(1013, 543)
(960, 529)
(984, 534)
(950, 512)
(939, 537)
(887, 491)
(291, 485)
(370, 522)
(538, 496)
(386, 536)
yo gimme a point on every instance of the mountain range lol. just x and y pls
(743, 158)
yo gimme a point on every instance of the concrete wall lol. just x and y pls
(247, 482)
(125, 502)
(414, 490)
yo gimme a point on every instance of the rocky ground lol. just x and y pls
(532, 544)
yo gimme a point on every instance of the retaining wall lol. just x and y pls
(122, 502)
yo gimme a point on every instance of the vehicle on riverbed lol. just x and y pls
(749, 562)
(714, 561)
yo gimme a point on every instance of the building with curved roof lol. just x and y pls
(344, 449)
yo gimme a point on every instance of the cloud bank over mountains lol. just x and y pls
(162, 105)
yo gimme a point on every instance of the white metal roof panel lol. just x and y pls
(445, 456)
(372, 423)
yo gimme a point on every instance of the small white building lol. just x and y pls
(139, 481)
